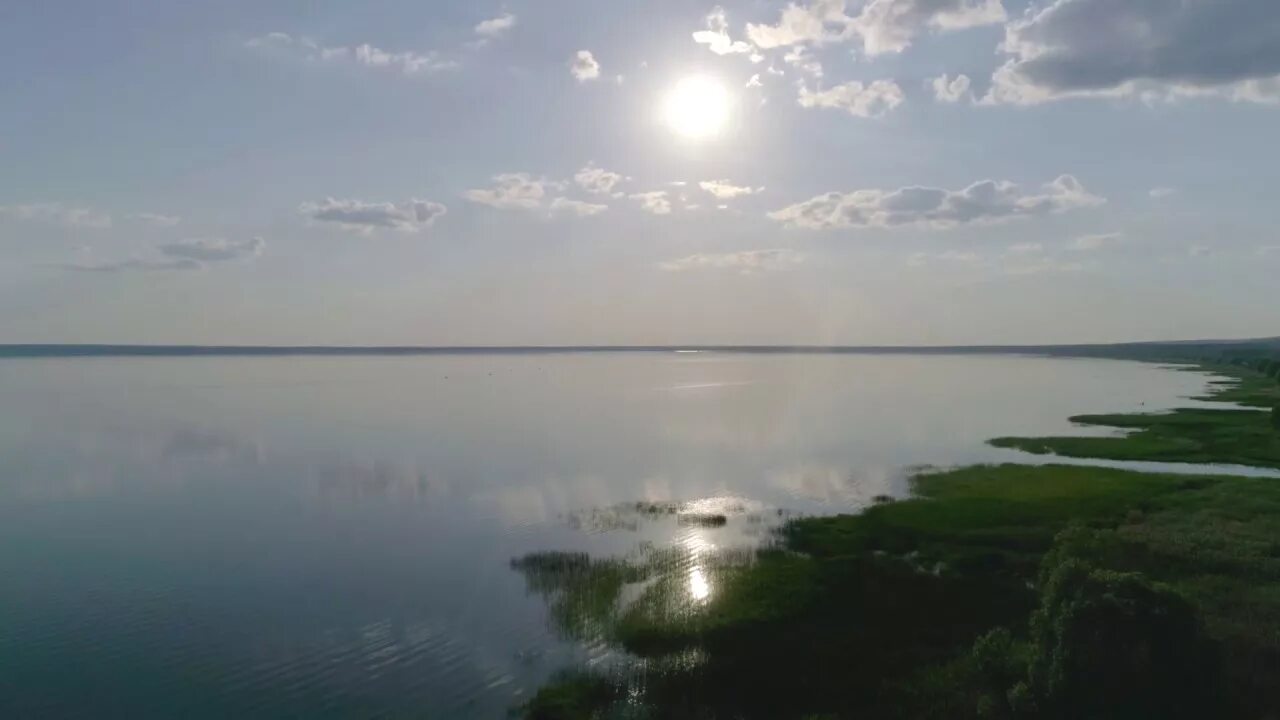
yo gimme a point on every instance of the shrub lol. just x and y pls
(1106, 644)
(1275, 417)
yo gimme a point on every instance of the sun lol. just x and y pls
(697, 107)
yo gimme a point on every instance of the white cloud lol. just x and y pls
(754, 81)
(883, 26)
(948, 90)
(801, 59)
(725, 190)
(578, 208)
(365, 55)
(597, 181)
(1026, 248)
(496, 27)
(716, 36)
(982, 202)
(1096, 241)
(156, 219)
(746, 262)
(822, 21)
(57, 214)
(366, 217)
(513, 191)
(1162, 192)
(860, 100)
(655, 202)
(1196, 251)
(213, 249)
(1268, 250)
(890, 25)
(584, 66)
(1151, 49)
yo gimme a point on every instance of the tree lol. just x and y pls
(1108, 644)
(1275, 417)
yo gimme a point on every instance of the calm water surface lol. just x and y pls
(215, 537)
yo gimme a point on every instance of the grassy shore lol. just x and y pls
(995, 592)
(1239, 437)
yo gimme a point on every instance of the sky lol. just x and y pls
(535, 172)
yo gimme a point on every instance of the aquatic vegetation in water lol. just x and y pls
(996, 592)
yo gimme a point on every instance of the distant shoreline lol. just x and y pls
(1134, 350)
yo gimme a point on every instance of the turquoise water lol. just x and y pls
(332, 537)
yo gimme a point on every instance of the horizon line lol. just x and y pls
(161, 350)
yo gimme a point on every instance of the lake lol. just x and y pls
(312, 537)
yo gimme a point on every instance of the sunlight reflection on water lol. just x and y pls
(335, 535)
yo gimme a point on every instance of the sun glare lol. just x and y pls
(697, 107)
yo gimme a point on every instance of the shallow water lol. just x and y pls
(212, 537)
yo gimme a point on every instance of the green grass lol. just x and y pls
(1210, 436)
(1004, 591)
(873, 615)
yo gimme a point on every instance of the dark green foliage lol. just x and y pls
(1275, 417)
(1197, 435)
(571, 696)
(1001, 593)
(1107, 644)
(1241, 437)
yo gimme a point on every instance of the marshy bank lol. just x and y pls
(1006, 591)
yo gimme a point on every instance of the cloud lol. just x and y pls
(860, 100)
(366, 217)
(1096, 241)
(950, 91)
(655, 202)
(965, 257)
(1162, 192)
(191, 254)
(496, 27)
(155, 219)
(1154, 49)
(716, 36)
(57, 214)
(982, 202)
(597, 180)
(724, 190)
(1268, 250)
(513, 191)
(578, 208)
(1019, 259)
(584, 66)
(213, 250)
(883, 26)
(888, 26)
(365, 55)
(1040, 266)
(801, 59)
(746, 262)
(132, 264)
(822, 21)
